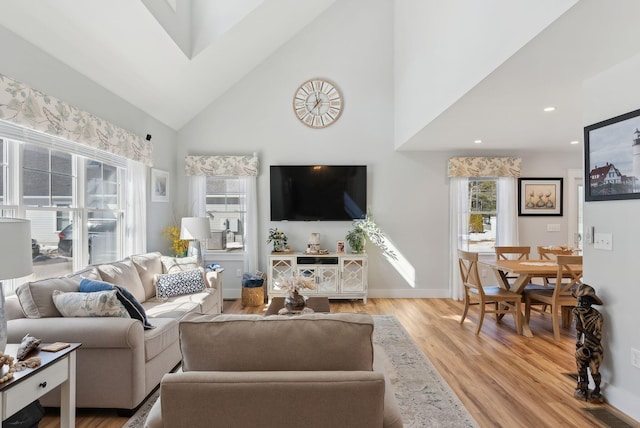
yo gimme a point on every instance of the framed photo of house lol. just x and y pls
(612, 158)
(159, 185)
(540, 196)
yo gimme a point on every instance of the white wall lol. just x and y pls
(614, 274)
(26, 63)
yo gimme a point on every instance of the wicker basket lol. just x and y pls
(252, 296)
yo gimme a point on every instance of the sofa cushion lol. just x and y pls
(158, 340)
(124, 274)
(177, 284)
(177, 307)
(321, 342)
(90, 272)
(148, 265)
(36, 298)
(96, 304)
(178, 264)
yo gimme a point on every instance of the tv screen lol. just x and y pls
(318, 192)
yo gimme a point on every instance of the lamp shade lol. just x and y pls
(195, 228)
(15, 251)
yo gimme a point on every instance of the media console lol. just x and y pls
(336, 276)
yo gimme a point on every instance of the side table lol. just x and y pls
(57, 368)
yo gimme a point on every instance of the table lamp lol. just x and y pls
(195, 230)
(15, 260)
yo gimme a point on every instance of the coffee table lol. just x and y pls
(318, 304)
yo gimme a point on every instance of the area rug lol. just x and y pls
(425, 399)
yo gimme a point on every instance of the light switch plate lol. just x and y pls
(554, 227)
(603, 241)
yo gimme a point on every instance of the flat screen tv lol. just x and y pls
(318, 192)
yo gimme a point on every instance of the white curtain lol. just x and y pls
(197, 196)
(458, 228)
(251, 228)
(507, 233)
(135, 237)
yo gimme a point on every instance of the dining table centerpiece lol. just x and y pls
(292, 285)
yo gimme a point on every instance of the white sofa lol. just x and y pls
(120, 362)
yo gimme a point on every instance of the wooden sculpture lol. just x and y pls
(589, 350)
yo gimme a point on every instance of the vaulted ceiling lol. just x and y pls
(172, 65)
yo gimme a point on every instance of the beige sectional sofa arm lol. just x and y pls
(91, 332)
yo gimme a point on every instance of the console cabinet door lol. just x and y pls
(308, 271)
(354, 274)
(280, 267)
(327, 280)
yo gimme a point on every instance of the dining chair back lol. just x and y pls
(559, 297)
(501, 300)
(512, 252)
(550, 253)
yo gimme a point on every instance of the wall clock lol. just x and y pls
(317, 103)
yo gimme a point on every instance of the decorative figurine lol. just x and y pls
(589, 350)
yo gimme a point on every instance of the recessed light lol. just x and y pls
(477, 141)
(575, 142)
(550, 108)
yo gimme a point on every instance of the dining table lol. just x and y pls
(524, 271)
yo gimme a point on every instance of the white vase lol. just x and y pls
(314, 243)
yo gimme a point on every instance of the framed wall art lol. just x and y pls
(540, 196)
(159, 185)
(612, 158)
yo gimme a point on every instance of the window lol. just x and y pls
(226, 207)
(74, 202)
(483, 215)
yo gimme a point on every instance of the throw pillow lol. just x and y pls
(130, 303)
(132, 306)
(176, 284)
(178, 264)
(98, 304)
(91, 286)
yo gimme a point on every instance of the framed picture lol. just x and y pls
(159, 185)
(340, 246)
(540, 196)
(612, 158)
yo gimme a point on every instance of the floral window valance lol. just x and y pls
(462, 166)
(25, 106)
(223, 166)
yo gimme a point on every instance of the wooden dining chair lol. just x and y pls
(550, 253)
(504, 252)
(503, 301)
(559, 297)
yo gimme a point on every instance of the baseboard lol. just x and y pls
(391, 293)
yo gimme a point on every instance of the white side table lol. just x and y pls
(57, 368)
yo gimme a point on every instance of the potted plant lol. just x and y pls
(278, 238)
(367, 229)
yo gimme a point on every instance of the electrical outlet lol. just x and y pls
(635, 358)
(238, 273)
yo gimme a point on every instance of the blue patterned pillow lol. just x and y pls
(176, 284)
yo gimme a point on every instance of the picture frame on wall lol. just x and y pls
(612, 158)
(159, 185)
(540, 196)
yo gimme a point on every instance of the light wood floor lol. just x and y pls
(503, 379)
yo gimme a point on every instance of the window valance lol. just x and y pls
(28, 107)
(476, 166)
(223, 166)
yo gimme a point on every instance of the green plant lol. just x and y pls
(368, 229)
(279, 239)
